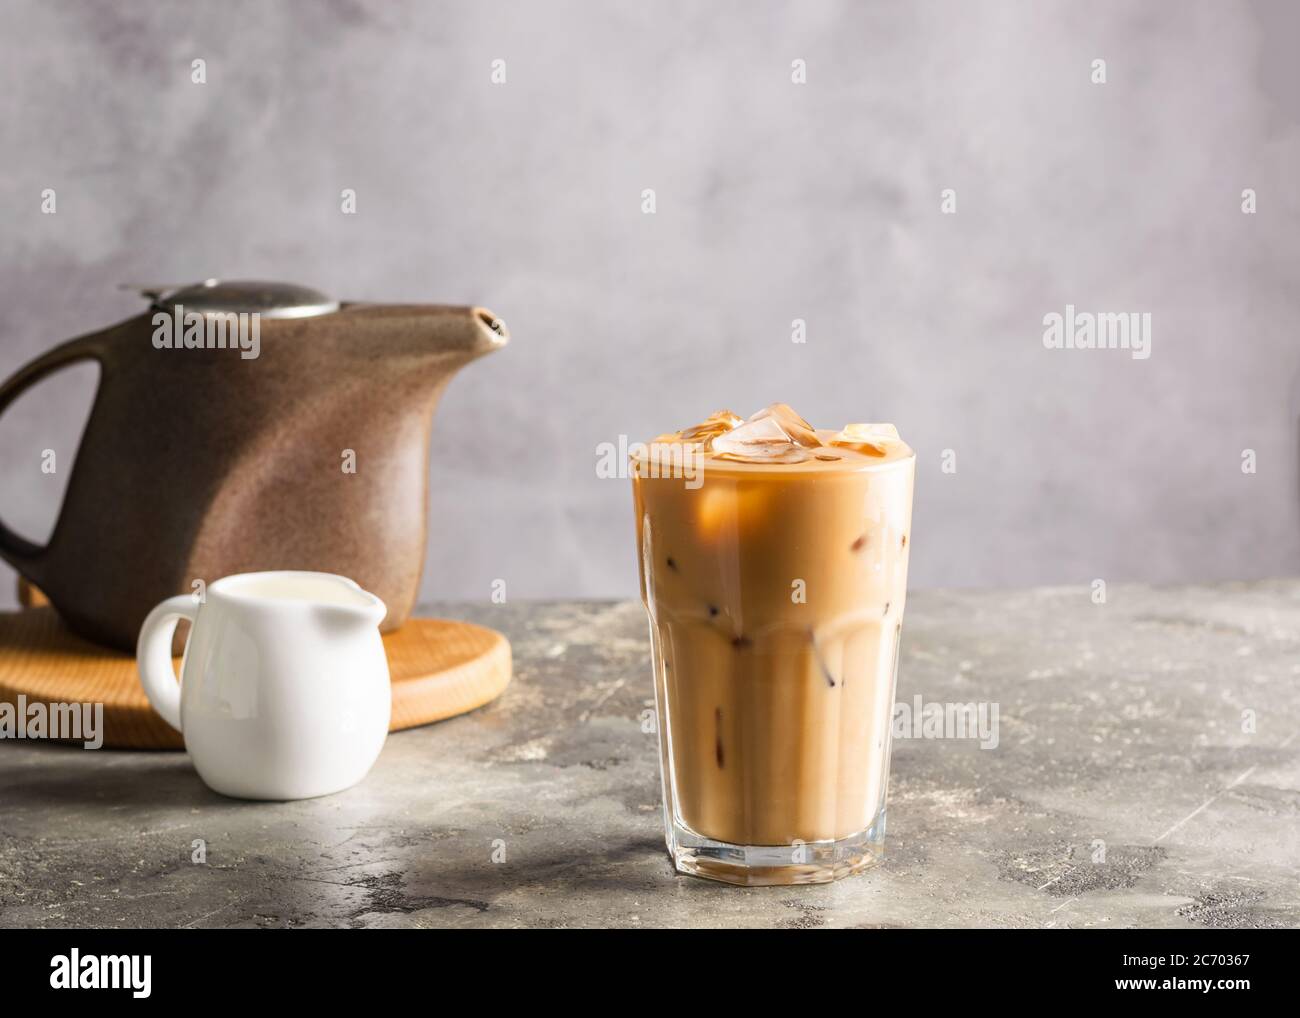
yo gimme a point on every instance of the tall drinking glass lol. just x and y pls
(774, 575)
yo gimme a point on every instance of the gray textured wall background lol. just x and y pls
(775, 202)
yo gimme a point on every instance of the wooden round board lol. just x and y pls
(439, 668)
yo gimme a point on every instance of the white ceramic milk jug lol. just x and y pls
(284, 690)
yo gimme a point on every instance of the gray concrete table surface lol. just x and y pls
(1127, 789)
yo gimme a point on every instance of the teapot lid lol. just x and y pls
(236, 296)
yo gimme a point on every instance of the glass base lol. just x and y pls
(812, 862)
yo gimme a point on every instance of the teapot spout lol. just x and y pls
(457, 335)
(489, 332)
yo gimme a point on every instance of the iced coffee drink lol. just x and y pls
(774, 570)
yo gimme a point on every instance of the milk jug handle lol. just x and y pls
(153, 655)
(16, 550)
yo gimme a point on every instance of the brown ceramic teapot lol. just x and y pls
(247, 426)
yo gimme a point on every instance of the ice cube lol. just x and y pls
(872, 439)
(867, 432)
(710, 428)
(760, 440)
(792, 424)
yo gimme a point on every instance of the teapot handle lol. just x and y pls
(19, 552)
